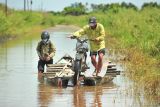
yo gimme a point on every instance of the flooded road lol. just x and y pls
(19, 86)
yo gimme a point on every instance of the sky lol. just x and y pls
(58, 5)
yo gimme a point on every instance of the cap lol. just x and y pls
(92, 20)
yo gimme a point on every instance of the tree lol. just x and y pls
(75, 9)
(151, 4)
(113, 7)
(129, 5)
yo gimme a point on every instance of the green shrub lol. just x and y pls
(4, 24)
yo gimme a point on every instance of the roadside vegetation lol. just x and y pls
(133, 32)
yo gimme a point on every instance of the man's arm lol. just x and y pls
(38, 50)
(53, 50)
(102, 33)
(80, 32)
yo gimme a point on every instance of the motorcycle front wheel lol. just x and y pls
(77, 69)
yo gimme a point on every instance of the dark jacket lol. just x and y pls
(44, 50)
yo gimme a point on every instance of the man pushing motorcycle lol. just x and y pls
(96, 35)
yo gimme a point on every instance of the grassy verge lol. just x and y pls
(19, 23)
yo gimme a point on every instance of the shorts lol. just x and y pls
(42, 63)
(97, 52)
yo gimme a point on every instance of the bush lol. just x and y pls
(4, 24)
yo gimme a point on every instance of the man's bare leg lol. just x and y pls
(40, 75)
(100, 62)
(94, 62)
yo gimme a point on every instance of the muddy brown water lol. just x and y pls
(19, 86)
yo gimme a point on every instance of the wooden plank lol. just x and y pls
(111, 69)
(54, 70)
(55, 65)
(50, 73)
(49, 76)
(55, 75)
(111, 65)
(57, 68)
(112, 73)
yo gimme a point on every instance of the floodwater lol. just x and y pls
(19, 86)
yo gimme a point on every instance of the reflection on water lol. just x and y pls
(82, 96)
(108, 95)
(19, 86)
(45, 94)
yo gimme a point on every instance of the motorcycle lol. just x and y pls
(79, 64)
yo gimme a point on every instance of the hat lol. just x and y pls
(92, 21)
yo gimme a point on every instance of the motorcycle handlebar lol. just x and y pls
(78, 39)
